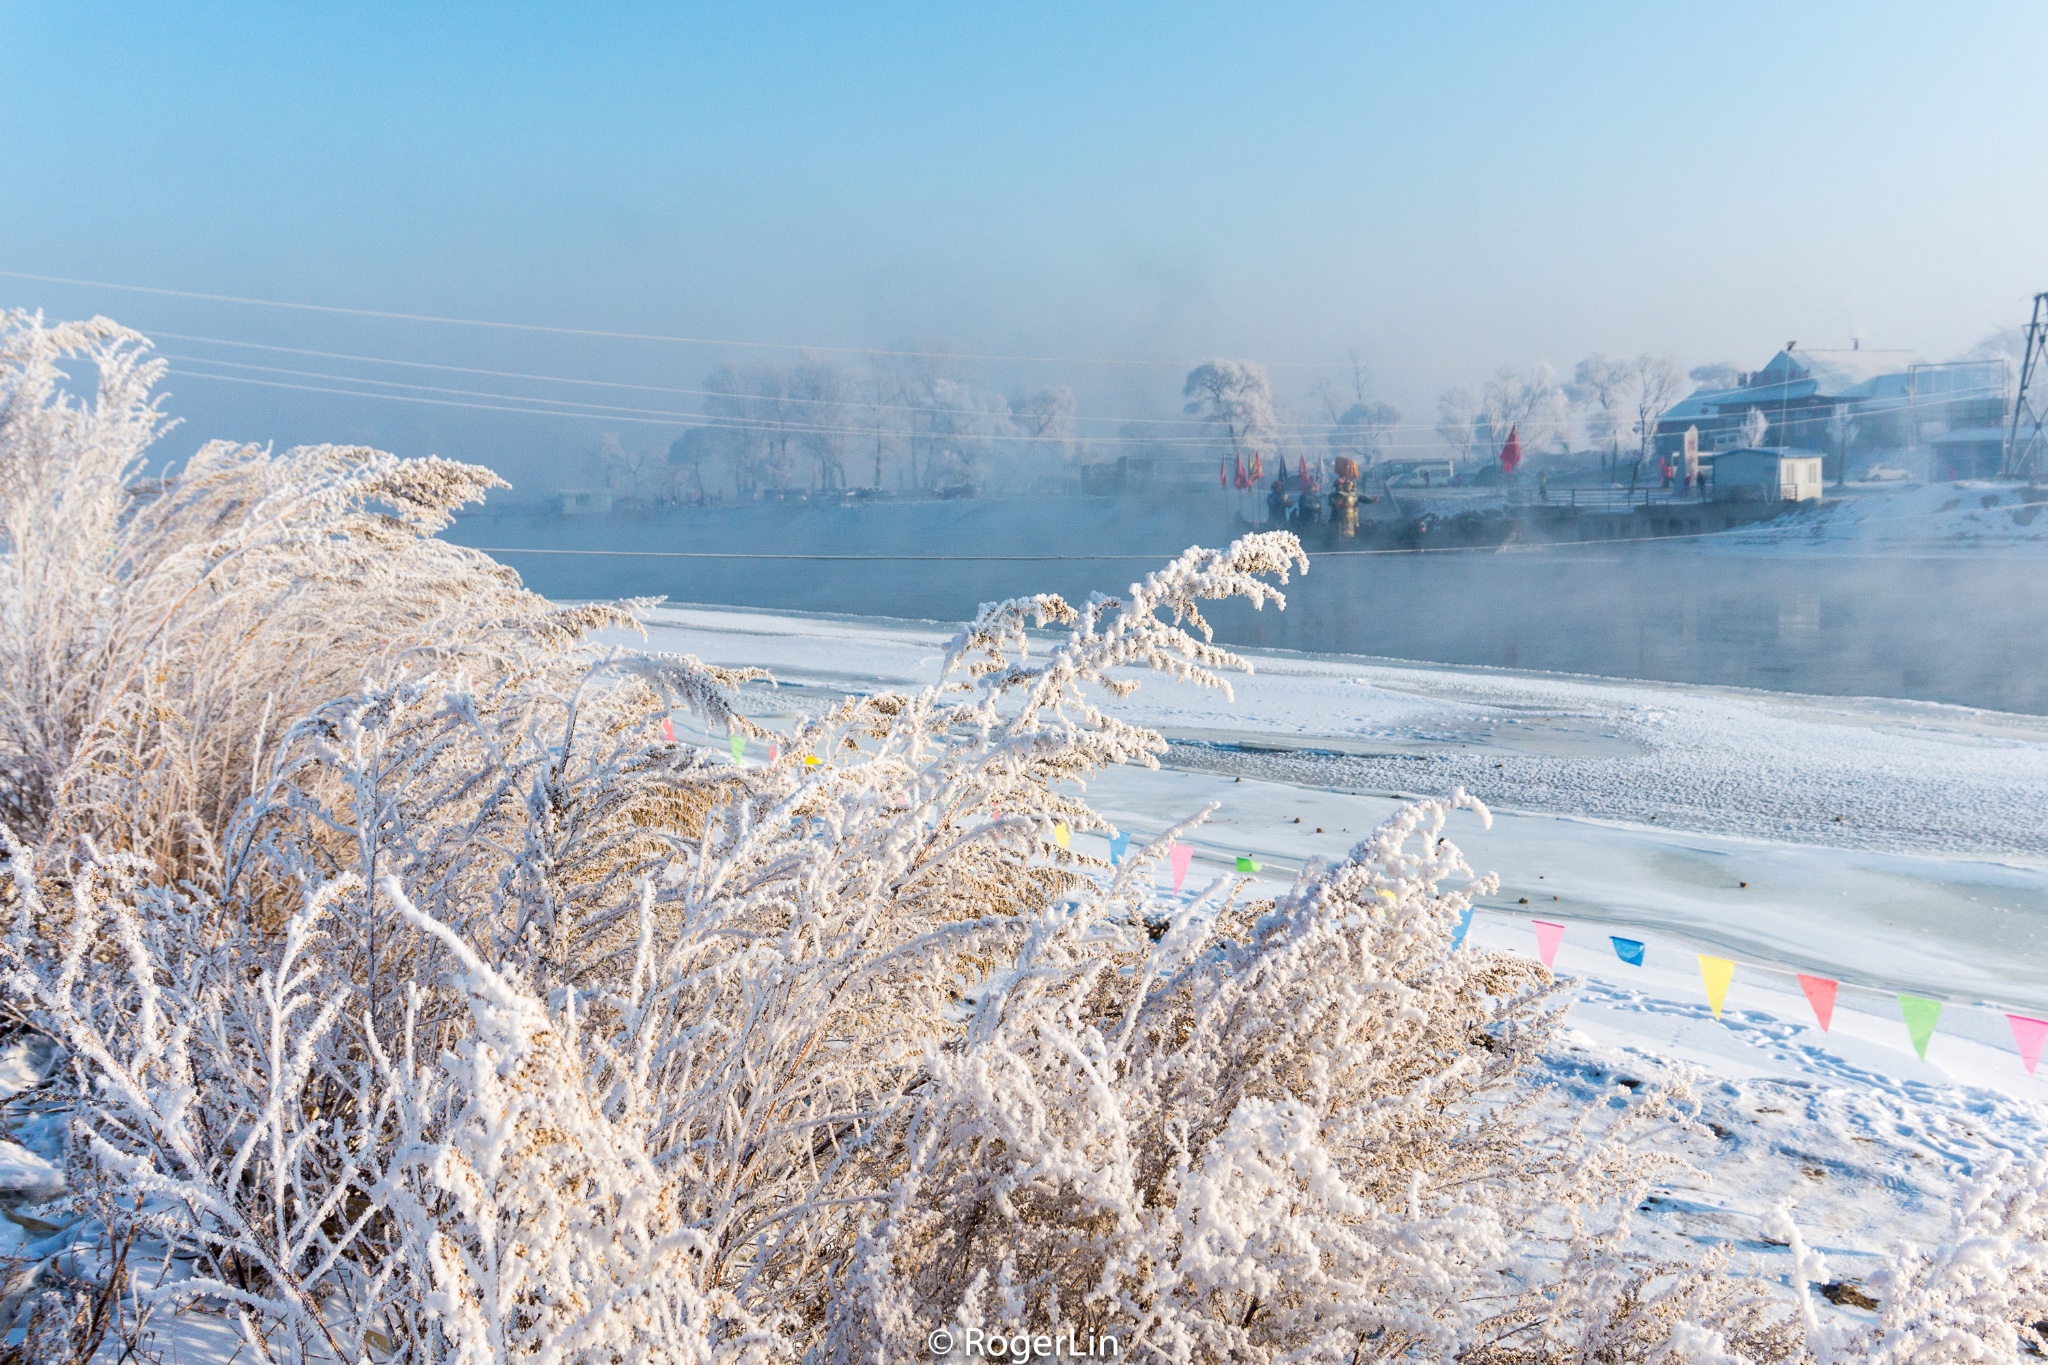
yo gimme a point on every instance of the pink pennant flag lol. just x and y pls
(1180, 855)
(668, 730)
(1548, 936)
(1820, 993)
(2029, 1034)
(773, 753)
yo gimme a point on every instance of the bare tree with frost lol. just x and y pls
(420, 1004)
(1655, 383)
(1599, 386)
(1754, 425)
(1235, 397)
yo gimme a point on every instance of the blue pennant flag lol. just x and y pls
(1628, 950)
(1118, 847)
(1464, 927)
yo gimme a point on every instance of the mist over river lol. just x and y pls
(1944, 623)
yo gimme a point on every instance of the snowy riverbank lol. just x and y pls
(1693, 820)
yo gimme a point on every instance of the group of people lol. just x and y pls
(1303, 506)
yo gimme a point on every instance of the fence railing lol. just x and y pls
(1604, 499)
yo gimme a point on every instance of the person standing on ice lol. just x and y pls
(1277, 500)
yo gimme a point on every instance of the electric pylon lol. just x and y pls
(2026, 443)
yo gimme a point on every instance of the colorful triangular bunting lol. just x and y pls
(1464, 928)
(1717, 973)
(1118, 847)
(1820, 993)
(1180, 855)
(1060, 834)
(1629, 950)
(668, 730)
(1548, 936)
(1920, 1015)
(739, 747)
(2029, 1034)
(1247, 863)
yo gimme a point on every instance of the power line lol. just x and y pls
(542, 407)
(841, 404)
(608, 335)
(861, 403)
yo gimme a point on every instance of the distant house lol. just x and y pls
(1765, 474)
(584, 501)
(1844, 405)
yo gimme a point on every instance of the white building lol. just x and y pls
(1754, 474)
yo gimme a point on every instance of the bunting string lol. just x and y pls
(1920, 1014)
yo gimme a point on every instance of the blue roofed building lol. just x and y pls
(1855, 407)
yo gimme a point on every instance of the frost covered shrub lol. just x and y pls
(422, 1005)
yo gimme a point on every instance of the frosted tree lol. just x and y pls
(1046, 418)
(754, 403)
(1754, 425)
(1364, 430)
(883, 418)
(1236, 399)
(1458, 423)
(1532, 405)
(1655, 382)
(691, 453)
(963, 427)
(819, 392)
(1599, 386)
(636, 474)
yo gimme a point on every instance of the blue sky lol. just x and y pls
(1446, 188)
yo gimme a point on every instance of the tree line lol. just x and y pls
(923, 423)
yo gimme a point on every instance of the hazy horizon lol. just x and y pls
(1443, 192)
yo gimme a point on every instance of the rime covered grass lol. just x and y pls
(418, 1003)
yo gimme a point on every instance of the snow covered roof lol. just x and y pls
(1747, 453)
(1833, 373)
(1698, 404)
(1793, 375)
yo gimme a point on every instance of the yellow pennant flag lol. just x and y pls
(1717, 972)
(1059, 834)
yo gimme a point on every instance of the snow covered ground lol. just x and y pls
(1894, 846)
(1917, 517)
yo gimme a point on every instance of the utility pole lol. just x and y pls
(2026, 442)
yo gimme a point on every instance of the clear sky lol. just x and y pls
(1446, 188)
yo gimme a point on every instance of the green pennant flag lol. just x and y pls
(1245, 864)
(1920, 1016)
(739, 747)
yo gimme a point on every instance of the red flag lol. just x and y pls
(1510, 454)
(1304, 471)
(1242, 481)
(1258, 469)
